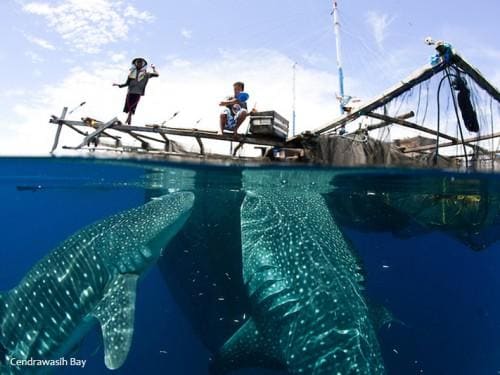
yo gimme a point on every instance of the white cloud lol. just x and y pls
(379, 23)
(34, 57)
(194, 89)
(68, 60)
(187, 34)
(117, 57)
(40, 42)
(13, 93)
(88, 25)
(135, 16)
(315, 58)
(180, 63)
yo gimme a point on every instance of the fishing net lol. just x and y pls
(443, 115)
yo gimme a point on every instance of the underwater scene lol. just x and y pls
(146, 267)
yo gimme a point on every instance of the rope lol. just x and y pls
(426, 102)
(418, 103)
(492, 140)
(436, 152)
(455, 106)
(354, 138)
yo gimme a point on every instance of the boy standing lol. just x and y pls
(136, 83)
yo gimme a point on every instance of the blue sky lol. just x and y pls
(61, 52)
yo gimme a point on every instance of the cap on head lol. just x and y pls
(144, 62)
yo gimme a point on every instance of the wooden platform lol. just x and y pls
(112, 133)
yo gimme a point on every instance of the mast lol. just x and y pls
(336, 26)
(294, 67)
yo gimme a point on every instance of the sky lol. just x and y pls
(59, 53)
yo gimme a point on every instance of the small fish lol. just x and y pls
(32, 188)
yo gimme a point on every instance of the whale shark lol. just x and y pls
(89, 278)
(308, 314)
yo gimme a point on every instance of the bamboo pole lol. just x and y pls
(89, 138)
(142, 137)
(476, 75)
(414, 79)
(404, 116)
(203, 134)
(448, 144)
(59, 122)
(411, 125)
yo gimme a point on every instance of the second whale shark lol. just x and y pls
(91, 277)
(308, 313)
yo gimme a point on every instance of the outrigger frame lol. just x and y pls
(145, 133)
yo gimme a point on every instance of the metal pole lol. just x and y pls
(336, 26)
(60, 122)
(294, 67)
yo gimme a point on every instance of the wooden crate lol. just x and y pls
(268, 123)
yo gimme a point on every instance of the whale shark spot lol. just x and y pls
(146, 252)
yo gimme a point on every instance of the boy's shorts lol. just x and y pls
(231, 118)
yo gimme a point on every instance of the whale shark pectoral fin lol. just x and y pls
(246, 348)
(115, 313)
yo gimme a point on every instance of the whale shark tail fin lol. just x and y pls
(246, 348)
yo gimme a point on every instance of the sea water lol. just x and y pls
(426, 242)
